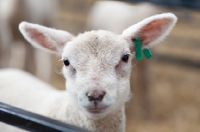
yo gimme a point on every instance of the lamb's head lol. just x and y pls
(97, 69)
(97, 64)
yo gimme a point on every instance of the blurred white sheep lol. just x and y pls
(14, 50)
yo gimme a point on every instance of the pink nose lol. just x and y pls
(96, 96)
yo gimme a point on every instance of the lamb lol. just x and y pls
(97, 67)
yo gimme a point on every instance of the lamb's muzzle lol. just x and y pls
(96, 106)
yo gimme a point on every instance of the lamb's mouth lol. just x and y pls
(96, 110)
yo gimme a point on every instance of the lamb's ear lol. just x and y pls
(151, 30)
(45, 38)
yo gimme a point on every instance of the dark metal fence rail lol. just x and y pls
(33, 122)
(194, 4)
(176, 60)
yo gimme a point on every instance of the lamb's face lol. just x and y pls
(97, 69)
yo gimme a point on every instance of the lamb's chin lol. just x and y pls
(96, 115)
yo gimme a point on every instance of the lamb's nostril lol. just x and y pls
(101, 95)
(96, 97)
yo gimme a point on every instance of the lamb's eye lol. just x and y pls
(66, 62)
(125, 58)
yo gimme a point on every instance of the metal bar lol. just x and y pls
(33, 122)
(194, 4)
(177, 60)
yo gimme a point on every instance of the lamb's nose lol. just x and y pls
(96, 96)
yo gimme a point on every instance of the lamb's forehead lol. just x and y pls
(95, 42)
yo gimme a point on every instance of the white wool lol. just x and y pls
(97, 74)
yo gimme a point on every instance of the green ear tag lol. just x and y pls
(138, 49)
(147, 53)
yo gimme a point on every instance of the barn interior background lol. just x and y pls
(166, 87)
